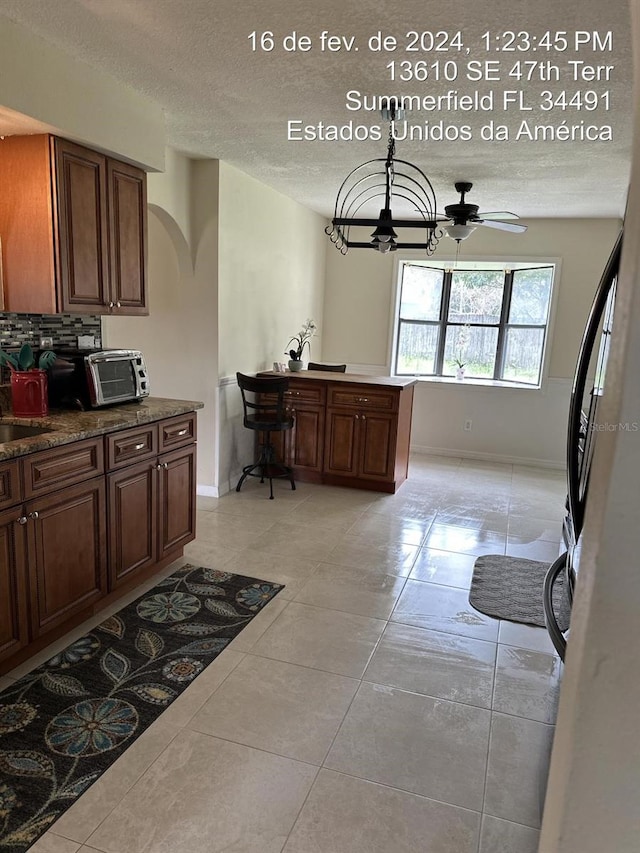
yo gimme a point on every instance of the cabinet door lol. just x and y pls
(82, 244)
(14, 628)
(340, 456)
(127, 204)
(376, 446)
(133, 510)
(306, 444)
(10, 486)
(67, 553)
(176, 500)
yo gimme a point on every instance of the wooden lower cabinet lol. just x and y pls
(377, 439)
(14, 624)
(340, 456)
(152, 512)
(360, 445)
(176, 500)
(305, 442)
(132, 494)
(67, 553)
(73, 535)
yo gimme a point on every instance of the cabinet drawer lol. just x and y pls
(363, 397)
(10, 491)
(53, 469)
(175, 432)
(305, 392)
(131, 445)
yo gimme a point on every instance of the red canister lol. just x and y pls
(29, 393)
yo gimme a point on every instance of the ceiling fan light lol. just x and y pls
(459, 232)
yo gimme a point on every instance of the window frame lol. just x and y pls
(508, 266)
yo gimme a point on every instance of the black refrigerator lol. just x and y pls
(582, 433)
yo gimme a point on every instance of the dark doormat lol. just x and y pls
(511, 588)
(66, 722)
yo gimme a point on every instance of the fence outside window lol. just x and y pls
(492, 321)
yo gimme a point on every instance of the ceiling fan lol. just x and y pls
(464, 217)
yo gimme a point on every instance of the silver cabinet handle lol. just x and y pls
(111, 306)
(118, 305)
(357, 417)
(183, 431)
(33, 515)
(139, 446)
(362, 399)
(158, 467)
(165, 465)
(22, 519)
(364, 417)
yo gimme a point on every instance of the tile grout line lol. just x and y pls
(486, 768)
(338, 730)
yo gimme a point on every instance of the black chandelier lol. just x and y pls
(390, 179)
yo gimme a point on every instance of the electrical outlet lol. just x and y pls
(467, 425)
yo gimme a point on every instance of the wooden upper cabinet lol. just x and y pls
(74, 229)
(83, 241)
(127, 202)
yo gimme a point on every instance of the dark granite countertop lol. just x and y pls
(67, 426)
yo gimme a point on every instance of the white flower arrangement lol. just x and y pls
(301, 340)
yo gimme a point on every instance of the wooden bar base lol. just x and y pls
(349, 430)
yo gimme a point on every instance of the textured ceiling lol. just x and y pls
(222, 100)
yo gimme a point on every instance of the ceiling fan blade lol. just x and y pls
(498, 214)
(501, 226)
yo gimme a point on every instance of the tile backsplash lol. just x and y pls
(17, 329)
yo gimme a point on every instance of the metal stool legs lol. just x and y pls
(268, 467)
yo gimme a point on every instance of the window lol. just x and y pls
(490, 319)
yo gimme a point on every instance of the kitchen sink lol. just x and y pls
(14, 432)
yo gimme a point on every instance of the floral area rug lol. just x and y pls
(66, 722)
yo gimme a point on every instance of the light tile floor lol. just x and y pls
(369, 707)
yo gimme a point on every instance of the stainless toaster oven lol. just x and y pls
(89, 380)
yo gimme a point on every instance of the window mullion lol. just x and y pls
(502, 330)
(444, 313)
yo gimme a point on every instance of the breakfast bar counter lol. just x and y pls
(349, 429)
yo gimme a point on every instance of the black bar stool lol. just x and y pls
(334, 368)
(264, 411)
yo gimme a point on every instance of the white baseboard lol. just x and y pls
(218, 491)
(488, 457)
(208, 491)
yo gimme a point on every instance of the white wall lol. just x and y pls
(509, 424)
(592, 796)
(271, 279)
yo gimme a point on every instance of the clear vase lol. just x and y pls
(460, 373)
